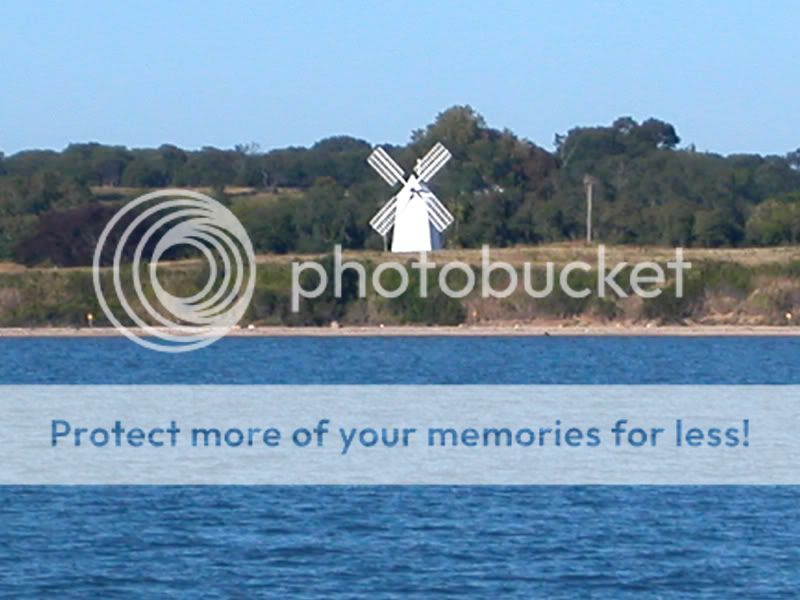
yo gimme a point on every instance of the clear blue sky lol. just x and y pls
(726, 74)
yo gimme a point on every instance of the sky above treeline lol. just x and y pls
(218, 74)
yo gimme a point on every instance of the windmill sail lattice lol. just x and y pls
(417, 215)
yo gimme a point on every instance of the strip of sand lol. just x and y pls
(412, 330)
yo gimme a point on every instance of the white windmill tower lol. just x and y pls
(415, 213)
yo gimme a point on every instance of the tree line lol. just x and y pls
(502, 189)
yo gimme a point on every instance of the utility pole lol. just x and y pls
(589, 182)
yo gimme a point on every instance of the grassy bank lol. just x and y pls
(723, 287)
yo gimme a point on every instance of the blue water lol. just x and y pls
(462, 360)
(489, 542)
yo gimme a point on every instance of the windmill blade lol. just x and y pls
(386, 173)
(438, 214)
(429, 157)
(433, 161)
(383, 220)
(385, 166)
(433, 167)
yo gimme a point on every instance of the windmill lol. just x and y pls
(415, 213)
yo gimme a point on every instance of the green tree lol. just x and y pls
(775, 222)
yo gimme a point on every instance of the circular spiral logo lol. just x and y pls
(165, 223)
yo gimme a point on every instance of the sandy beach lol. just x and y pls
(421, 331)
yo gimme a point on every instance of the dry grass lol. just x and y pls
(230, 190)
(566, 252)
(7, 267)
(557, 253)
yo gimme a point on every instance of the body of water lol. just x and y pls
(427, 541)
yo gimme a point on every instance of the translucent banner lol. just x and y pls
(460, 435)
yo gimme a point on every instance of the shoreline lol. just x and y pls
(553, 330)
